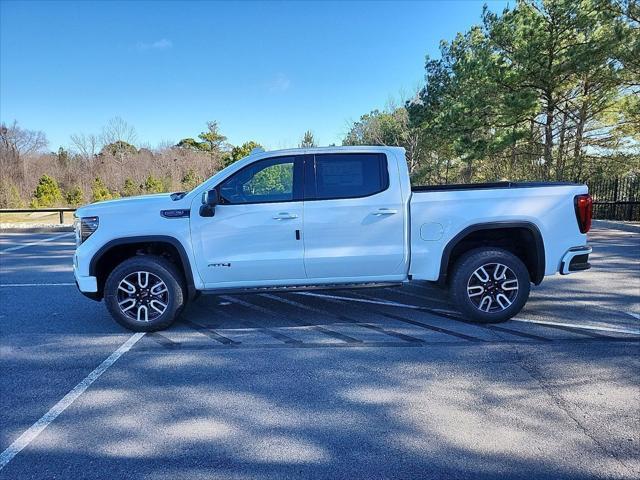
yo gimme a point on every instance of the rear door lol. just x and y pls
(353, 218)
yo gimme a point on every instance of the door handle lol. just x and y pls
(285, 216)
(385, 211)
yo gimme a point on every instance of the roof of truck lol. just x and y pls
(334, 149)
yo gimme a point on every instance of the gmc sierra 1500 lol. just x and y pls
(326, 218)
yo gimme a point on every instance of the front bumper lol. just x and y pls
(575, 260)
(85, 284)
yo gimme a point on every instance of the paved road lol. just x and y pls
(387, 383)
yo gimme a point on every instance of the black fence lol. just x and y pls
(616, 198)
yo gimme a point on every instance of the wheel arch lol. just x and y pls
(472, 236)
(122, 248)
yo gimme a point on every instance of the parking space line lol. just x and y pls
(631, 331)
(163, 340)
(272, 333)
(361, 300)
(34, 430)
(574, 329)
(446, 331)
(210, 332)
(37, 284)
(512, 332)
(18, 247)
(318, 328)
(378, 328)
(422, 296)
(370, 326)
(442, 312)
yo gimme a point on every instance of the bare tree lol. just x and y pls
(15, 145)
(117, 130)
(118, 139)
(87, 146)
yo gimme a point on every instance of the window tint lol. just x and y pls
(350, 175)
(268, 180)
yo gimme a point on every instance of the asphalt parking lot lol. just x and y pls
(385, 383)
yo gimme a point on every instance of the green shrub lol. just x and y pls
(99, 191)
(75, 197)
(130, 188)
(153, 185)
(9, 195)
(190, 180)
(47, 193)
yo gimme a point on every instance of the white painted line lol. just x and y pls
(37, 284)
(442, 310)
(632, 331)
(634, 315)
(34, 430)
(361, 300)
(18, 247)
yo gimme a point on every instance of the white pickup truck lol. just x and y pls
(337, 217)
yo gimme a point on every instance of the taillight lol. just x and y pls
(584, 211)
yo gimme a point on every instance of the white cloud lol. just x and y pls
(280, 83)
(161, 44)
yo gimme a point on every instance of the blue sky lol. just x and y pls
(267, 71)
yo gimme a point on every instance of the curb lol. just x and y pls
(38, 229)
(633, 227)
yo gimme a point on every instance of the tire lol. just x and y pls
(490, 285)
(145, 293)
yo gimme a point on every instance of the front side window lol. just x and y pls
(350, 175)
(270, 180)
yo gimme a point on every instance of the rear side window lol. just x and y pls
(350, 175)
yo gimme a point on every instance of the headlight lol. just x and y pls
(84, 227)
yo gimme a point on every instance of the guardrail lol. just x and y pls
(61, 211)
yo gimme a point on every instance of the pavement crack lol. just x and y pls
(564, 405)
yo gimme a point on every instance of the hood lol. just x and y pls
(129, 204)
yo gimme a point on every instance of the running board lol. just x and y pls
(298, 288)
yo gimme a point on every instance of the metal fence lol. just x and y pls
(616, 198)
(60, 211)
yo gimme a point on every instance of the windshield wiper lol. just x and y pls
(177, 195)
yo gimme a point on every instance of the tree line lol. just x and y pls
(544, 90)
(108, 165)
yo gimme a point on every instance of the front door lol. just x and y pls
(254, 237)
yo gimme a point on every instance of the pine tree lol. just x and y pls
(307, 140)
(47, 193)
(75, 197)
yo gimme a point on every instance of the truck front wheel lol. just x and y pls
(490, 285)
(144, 293)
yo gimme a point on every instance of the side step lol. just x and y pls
(299, 288)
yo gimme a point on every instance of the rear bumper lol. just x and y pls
(575, 260)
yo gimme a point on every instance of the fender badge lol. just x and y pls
(219, 265)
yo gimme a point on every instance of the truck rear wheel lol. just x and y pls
(490, 285)
(144, 293)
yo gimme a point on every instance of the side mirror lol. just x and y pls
(210, 199)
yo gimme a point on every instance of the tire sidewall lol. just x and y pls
(474, 259)
(159, 267)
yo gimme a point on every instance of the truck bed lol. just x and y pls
(440, 212)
